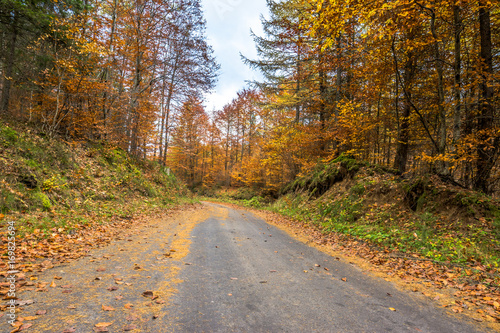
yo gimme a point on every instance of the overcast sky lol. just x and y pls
(228, 30)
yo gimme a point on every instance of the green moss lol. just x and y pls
(8, 136)
(358, 189)
(33, 164)
(41, 200)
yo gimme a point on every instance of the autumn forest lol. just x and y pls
(411, 85)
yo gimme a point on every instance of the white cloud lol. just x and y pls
(228, 30)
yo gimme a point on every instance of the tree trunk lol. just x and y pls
(457, 26)
(401, 159)
(440, 90)
(8, 68)
(338, 80)
(486, 154)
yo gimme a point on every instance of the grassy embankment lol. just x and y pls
(48, 185)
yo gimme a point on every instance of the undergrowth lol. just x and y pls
(48, 183)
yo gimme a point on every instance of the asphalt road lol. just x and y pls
(219, 269)
(247, 276)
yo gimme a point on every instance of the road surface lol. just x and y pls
(218, 269)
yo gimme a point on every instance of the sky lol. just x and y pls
(228, 31)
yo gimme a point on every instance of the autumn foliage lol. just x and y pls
(408, 84)
(104, 70)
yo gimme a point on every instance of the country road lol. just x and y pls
(218, 269)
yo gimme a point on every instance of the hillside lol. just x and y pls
(77, 193)
(426, 215)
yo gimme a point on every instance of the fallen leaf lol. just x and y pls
(112, 288)
(30, 318)
(490, 319)
(71, 307)
(57, 278)
(392, 309)
(128, 306)
(41, 312)
(160, 301)
(344, 279)
(25, 326)
(148, 294)
(107, 308)
(119, 297)
(53, 284)
(103, 324)
(101, 269)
